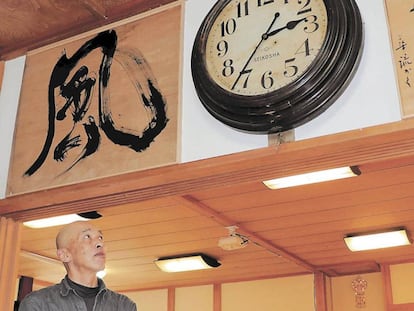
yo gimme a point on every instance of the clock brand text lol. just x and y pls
(265, 57)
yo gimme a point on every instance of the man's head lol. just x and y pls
(80, 247)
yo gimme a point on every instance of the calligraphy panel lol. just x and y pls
(103, 104)
(401, 22)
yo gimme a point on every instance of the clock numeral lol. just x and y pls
(305, 7)
(243, 9)
(304, 48)
(246, 73)
(228, 69)
(291, 70)
(264, 2)
(228, 27)
(222, 48)
(312, 20)
(267, 80)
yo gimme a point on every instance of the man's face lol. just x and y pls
(87, 249)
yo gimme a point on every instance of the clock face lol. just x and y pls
(258, 46)
(267, 66)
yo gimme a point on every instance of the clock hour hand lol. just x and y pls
(290, 25)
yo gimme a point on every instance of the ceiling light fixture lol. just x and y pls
(61, 220)
(376, 240)
(314, 177)
(101, 274)
(234, 240)
(186, 263)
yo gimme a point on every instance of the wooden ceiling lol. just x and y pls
(184, 208)
(27, 25)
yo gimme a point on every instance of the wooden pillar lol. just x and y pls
(9, 251)
(320, 292)
(171, 299)
(217, 297)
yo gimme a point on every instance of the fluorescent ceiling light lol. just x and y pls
(101, 274)
(369, 241)
(314, 177)
(60, 220)
(186, 263)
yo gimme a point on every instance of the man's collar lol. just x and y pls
(66, 288)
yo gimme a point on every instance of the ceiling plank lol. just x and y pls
(96, 7)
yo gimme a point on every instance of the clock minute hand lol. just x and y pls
(263, 37)
(290, 25)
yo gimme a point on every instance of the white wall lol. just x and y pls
(371, 98)
(9, 97)
(202, 135)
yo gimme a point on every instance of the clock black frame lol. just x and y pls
(299, 101)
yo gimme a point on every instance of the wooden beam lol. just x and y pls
(205, 210)
(379, 143)
(45, 259)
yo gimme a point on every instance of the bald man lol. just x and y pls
(81, 249)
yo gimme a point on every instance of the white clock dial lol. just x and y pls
(257, 46)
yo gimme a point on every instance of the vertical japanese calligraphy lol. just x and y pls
(404, 61)
(400, 20)
(103, 104)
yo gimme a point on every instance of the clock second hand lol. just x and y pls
(290, 25)
(264, 37)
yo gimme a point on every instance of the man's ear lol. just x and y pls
(64, 255)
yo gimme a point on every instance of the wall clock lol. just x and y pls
(266, 66)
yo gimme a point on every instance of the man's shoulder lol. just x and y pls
(120, 298)
(46, 291)
(117, 295)
(40, 297)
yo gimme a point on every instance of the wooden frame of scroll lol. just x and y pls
(102, 104)
(400, 21)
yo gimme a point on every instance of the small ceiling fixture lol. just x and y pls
(313, 177)
(376, 240)
(233, 241)
(61, 220)
(186, 263)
